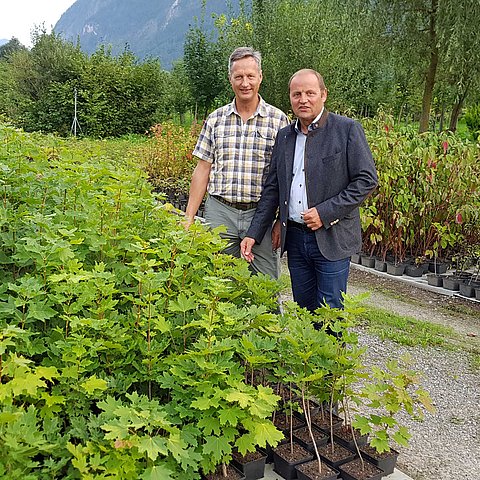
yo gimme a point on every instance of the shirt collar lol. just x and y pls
(261, 108)
(313, 126)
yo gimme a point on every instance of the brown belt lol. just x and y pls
(236, 205)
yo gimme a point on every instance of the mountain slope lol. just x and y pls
(150, 28)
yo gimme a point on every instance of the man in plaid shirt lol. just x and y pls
(234, 150)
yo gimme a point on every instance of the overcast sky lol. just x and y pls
(19, 17)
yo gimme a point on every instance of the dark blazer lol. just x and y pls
(340, 173)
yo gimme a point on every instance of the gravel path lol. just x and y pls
(446, 445)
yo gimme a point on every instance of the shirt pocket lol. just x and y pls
(263, 144)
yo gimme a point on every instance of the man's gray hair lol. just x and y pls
(244, 52)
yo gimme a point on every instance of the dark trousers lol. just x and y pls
(315, 280)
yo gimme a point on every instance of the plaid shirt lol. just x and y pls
(239, 151)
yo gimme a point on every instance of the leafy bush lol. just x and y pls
(117, 327)
(472, 119)
(428, 194)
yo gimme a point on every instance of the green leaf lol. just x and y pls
(158, 472)
(217, 447)
(94, 383)
(152, 446)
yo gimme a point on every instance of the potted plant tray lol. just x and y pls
(309, 471)
(287, 456)
(358, 470)
(386, 461)
(252, 465)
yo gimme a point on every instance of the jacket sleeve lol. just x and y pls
(268, 203)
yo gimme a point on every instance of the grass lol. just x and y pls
(406, 330)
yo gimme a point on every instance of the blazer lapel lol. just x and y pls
(290, 139)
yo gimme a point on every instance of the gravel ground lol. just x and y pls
(446, 445)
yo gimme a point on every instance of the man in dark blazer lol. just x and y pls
(321, 171)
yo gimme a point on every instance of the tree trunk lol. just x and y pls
(431, 72)
(457, 109)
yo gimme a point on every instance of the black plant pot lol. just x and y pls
(380, 265)
(451, 283)
(435, 280)
(467, 289)
(336, 458)
(284, 464)
(385, 460)
(252, 465)
(414, 270)
(441, 268)
(323, 421)
(355, 470)
(232, 474)
(344, 436)
(477, 293)
(367, 261)
(355, 258)
(309, 471)
(395, 269)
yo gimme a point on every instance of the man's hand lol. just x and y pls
(276, 235)
(246, 249)
(312, 218)
(187, 222)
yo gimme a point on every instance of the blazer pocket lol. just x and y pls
(331, 158)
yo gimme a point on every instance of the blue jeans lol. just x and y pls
(316, 281)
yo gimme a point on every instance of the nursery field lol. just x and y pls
(131, 348)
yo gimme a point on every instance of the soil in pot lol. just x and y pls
(282, 422)
(322, 421)
(435, 280)
(338, 456)
(309, 471)
(252, 464)
(232, 474)
(285, 459)
(344, 436)
(385, 460)
(356, 470)
(302, 436)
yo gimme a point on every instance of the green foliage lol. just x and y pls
(472, 119)
(428, 195)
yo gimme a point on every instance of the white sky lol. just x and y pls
(19, 17)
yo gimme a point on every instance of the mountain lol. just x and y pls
(150, 28)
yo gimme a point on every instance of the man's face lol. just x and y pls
(245, 78)
(306, 97)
